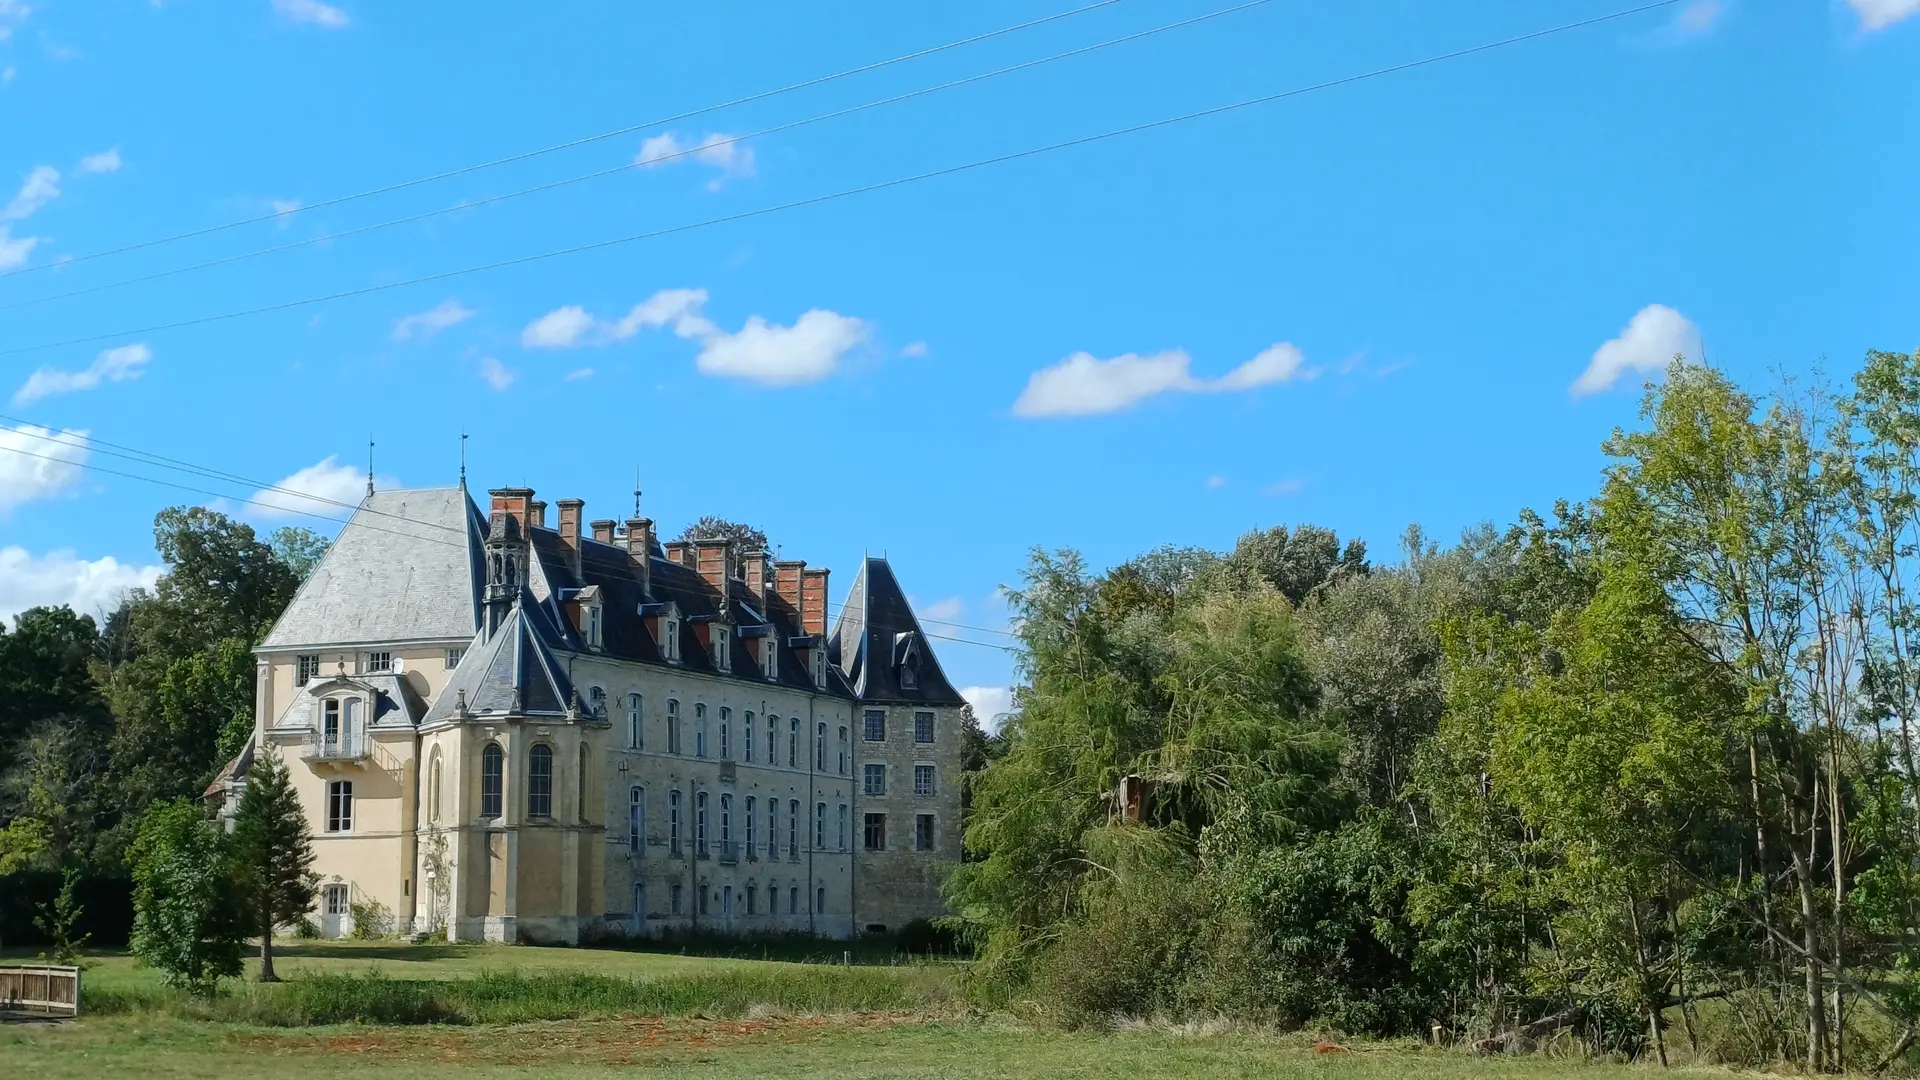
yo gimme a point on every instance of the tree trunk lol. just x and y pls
(1814, 1000)
(1839, 898)
(1654, 997)
(266, 951)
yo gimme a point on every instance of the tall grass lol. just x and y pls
(499, 997)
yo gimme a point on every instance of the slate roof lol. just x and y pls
(395, 703)
(877, 636)
(512, 673)
(406, 567)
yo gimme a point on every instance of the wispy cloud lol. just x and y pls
(40, 187)
(721, 151)
(38, 463)
(915, 350)
(425, 324)
(1216, 482)
(1289, 486)
(1085, 385)
(944, 610)
(579, 373)
(495, 374)
(15, 251)
(325, 488)
(313, 13)
(1880, 14)
(105, 161)
(12, 14)
(113, 365)
(1652, 338)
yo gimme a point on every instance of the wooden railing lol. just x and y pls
(40, 989)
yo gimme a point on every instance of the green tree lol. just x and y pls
(272, 853)
(711, 527)
(44, 672)
(297, 549)
(188, 920)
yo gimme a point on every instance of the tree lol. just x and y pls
(44, 673)
(711, 527)
(272, 853)
(187, 921)
(298, 549)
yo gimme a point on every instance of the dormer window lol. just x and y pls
(670, 638)
(593, 626)
(909, 679)
(819, 666)
(722, 646)
(770, 657)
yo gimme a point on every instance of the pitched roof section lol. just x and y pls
(407, 567)
(879, 647)
(512, 673)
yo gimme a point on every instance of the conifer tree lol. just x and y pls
(273, 854)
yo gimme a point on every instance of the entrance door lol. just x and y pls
(336, 918)
(639, 926)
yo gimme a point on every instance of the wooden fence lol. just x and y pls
(36, 988)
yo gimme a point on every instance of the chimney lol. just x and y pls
(679, 551)
(786, 581)
(813, 601)
(603, 531)
(640, 550)
(714, 559)
(536, 512)
(570, 530)
(759, 578)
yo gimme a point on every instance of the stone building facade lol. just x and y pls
(514, 731)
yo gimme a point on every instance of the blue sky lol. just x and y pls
(1423, 297)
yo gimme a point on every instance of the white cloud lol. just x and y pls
(283, 207)
(38, 463)
(12, 14)
(944, 610)
(105, 161)
(1653, 337)
(313, 12)
(113, 365)
(774, 355)
(990, 704)
(579, 373)
(425, 324)
(1880, 14)
(15, 252)
(561, 328)
(1698, 17)
(723, 152)
(40, 187)
(321, 488)
(1085, 385)
(1216, 482)
(495, 374)
(680, 307)
(61, 577)
(1289, 486)
(915, 351)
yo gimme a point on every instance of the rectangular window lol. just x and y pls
(773, 739)
(306, 669)
(793, 900)
(726, 751)
(923, 832)
(540, 781)
(676, 893)
(637, 821)
(340, 806)
(746, 730)
(337, 900)
(923, 728)
(876, 725)
(819, 826)
(773, 828)
(702, 891)
(873, 779)
(454, 656)
(750, 892)
(673, 828)
(793, 829)
(843, 826)
(670, 639)
(793, 743)
(749, 821)
(722, 647)
(820, 900)
(379, 661)
(673, 726)
(699, 729)
(700, 824)
(636, 727)
(923, 779)
(876, 832)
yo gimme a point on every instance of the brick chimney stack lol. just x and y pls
(640, 550)
(786, 581)
(536, 512)
(512, 502)
(714, 560)
(679, 551)
(813, 601)
(570, 514)
(603, 531)
(758, 577)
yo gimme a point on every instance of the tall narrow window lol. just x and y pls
(433, 788)
(923, 779)
(330, 721)
(750, 891)
(793, 743)
(699, 729)
(636, 730)
(673, 726)
(700, 824)
(746, 732)
(677, 894)
(493, 768)
(820, 748)
(726, 826)
(843, 750)
(540, 781)
(793, 828)
(307, 669)
(673, 826)
(747, 820)
(583, 783)
(726, 718)
(773, 739)
(876, 832)
(923, 728)
(873, 779)
(843, 826)
(340, 806)
(819, 826)
(820, 900)
(793, 899)
(923, 832)
(773, 828)
(637, 821)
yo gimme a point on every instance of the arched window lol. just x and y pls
(820, 899)
(793, 899)
(726, 748)
(493, 768)
(819, 826)
(699, 729)
(700, 824)
(637, 821)
(636, 734)
(433, 787)
(540, 781)
(673, 726)
(750, 892)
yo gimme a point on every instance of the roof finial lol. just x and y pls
(369, 464)
(463, 459)
(636, 491)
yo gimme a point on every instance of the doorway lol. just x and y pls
(336, 916)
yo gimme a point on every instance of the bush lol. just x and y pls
(371, 920)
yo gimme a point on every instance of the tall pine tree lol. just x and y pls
(273, 854)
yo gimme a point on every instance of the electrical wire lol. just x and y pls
(631, 165)
(586, 140)
(883, 185)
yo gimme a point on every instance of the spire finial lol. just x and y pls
(369, 464)
(636, 491)
(463, 459)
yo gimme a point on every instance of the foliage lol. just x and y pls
(710, 527)
(60, 919)
(188, 922)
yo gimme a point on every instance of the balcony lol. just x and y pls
(727, 769)
(336, 746)
(701, 850)
(729, 851)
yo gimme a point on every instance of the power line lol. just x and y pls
(631, 165)
(815, 200)
(615, 133)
